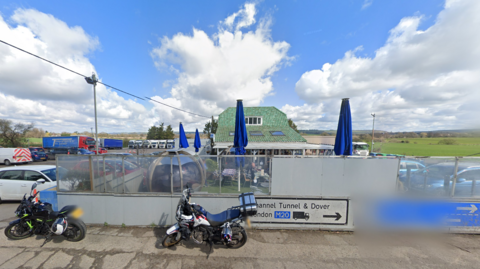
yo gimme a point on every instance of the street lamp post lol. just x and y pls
(91, 129)
(373, 130)
(93, 80)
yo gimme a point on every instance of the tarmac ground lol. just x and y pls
(137, 247)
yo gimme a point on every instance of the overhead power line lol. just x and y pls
(117, 89)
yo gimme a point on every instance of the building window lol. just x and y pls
(253, 120)
(277, 133)
(232, 133)
(256, 133)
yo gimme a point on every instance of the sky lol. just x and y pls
(415, 64)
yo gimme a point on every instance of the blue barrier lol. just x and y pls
(50, 196)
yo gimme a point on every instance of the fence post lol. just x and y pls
(455, 177)
(398, 172)
(90, 166)
(123, 173)
(219, 161)
(104, 176)
(56, 174)
(171, 175)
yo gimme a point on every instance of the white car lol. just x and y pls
(16, 181)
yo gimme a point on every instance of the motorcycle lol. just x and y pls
(193, 221)
(37, 218)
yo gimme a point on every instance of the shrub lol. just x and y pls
(211, 165)
(447, 141)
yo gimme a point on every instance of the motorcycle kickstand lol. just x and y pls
(48, 238)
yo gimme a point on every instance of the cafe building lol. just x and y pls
(268, 134)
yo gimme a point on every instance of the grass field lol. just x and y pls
(466, 146)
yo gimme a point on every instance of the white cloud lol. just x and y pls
(216, 70)
(367, 3)
(421, 79)
(32, 90)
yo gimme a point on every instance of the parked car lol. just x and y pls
(409, 164)
(51, 154)
(437, 174)
(37, 155)
(119, 153)
(100, 150)
(16, 181)
(84, 152)
(37, 149)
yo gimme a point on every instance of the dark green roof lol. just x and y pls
(273, 120)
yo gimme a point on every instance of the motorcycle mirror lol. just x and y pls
(34, 186)
(41, 181)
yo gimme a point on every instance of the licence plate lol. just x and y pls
(43, 158)
(77, 213)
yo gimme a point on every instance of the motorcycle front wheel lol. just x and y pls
(239, 238)
(170, 240)
(17, 232)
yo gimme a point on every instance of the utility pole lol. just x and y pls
(93, 80)
(91, 129)
(373, 130)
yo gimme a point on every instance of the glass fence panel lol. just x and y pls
(74, 173)
(468, 178)
(113, 173)
(135, 173)
(211, 173)
(427, 176)
(245, 174)
(98, 174)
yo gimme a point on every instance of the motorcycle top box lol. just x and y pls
(248, 205)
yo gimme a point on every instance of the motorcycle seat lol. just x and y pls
(221, 218)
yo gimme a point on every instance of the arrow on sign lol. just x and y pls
(337, 216)
(472, 208)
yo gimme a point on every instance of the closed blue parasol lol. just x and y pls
(183, 138)
(197, 144)
(240, 141)
(343, 140)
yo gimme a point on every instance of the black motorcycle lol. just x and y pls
(37, 218)
(193, 221)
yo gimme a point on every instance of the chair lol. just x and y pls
(247, 180)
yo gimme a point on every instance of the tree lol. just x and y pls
(211, 128)
(152, 132)
(293, 125)
(169, 134)
(13, 134)
(160, 132)
(65, 134)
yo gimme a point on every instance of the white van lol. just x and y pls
(15, 155)
(360, 148)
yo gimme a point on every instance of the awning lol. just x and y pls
(266, 145)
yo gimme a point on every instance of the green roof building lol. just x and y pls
(267, 129)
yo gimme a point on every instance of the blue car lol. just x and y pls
(38, 155)
(84, 152)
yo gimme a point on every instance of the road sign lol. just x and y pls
(429, 213)
(301, 211)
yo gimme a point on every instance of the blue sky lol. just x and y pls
(126, 35)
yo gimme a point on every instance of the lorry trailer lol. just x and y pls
(111, 143)
(79, 141)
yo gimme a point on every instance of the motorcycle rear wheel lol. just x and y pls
(78, 230)
(170, 240)
(240, 237)
(12, 233)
